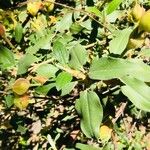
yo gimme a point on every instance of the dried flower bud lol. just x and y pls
(137, 12)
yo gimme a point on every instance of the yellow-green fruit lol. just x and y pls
(144, 24)
(21, 86)
(105, 133)
(21, 102)
(137, 12)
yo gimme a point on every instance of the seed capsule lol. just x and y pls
(21, 86)
(21, 102)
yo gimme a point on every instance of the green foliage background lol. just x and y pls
(88, 67)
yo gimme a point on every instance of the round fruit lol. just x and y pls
(21, 101)
(21, 86)
(144, 24)
(105, 133)
(2, 30)
(137, 12)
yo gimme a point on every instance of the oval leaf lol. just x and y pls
(95, 11)
(46, 70)
(60, 52)
(78, 56)
(6, 57)
(108, 68)
(25, 62)
(62, 79)
(113, 5)
(89, 108)
(137, 92)
(65, 23)
(118, 44)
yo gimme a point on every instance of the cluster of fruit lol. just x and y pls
(20, 89)
(34, 7)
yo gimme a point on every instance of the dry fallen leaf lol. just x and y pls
(36, 127)
(40, 79)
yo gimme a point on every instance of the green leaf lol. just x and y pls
(22, 16)
(89, 108)
(47, 70)
(22, 129)
(78, 56)
(63, 79)
(68, 88)
(25, 62)
(75, 28)
(6, 57)
(87, 25)
(113, 5)
(118, 44)
(113, 16)
(65, 23)
(94, 10)
(44, 89)
(18, 32)
(109, 68)
(9, 99)
(141, 70)
(40, 42)
(60, 52)
(86, 147)
(137, 92)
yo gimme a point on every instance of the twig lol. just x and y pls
(111, 89)
(76, 73)
(3, 92)
(114, 141)
(8, 42)
(44, 98)
(126, 126)
(91, 15)
(119, 112)
(133, 126)
(90, 45)
(36, 66)
(82, 19)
